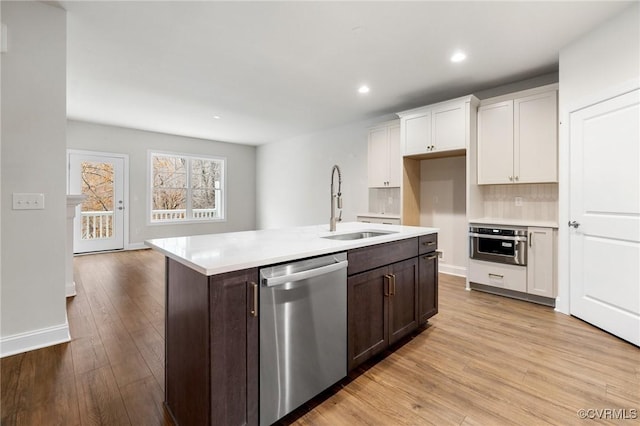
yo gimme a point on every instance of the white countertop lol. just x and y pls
(219, 253)
(514, 222)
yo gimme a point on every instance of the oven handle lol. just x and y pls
(497, 237)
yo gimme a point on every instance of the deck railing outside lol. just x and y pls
(167, 215)
(99, 224)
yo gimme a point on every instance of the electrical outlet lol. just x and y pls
(518, 201)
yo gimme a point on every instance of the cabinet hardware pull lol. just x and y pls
(387, 285)
(511, 178)
(530, 238)
(393, 285)
(429, 243)
(254, 308)
(517, 177)
(495, 275)
(430, 257)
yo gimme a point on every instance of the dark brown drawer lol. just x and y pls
(366, 258)
(428, 243)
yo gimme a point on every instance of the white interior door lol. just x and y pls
(604, 241)
(99, 221)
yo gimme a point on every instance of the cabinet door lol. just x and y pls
(417, 133)
(366, 312)
(495, 143)
(394, 156)
(402, 283)
(378, 158)
(448, 127)
(234, 348)
(427, 287)
(540, 264)
(536, 138)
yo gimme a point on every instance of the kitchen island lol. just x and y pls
(212, 318)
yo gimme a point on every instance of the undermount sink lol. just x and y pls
(358, 235)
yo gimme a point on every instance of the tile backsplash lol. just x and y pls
(539, 201)
(384, 200)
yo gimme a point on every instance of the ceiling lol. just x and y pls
(274, 70)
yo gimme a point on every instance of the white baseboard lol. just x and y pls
(136, 246)
(459, 271)
(70, 289)
(23, 342)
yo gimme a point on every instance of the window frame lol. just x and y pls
(188, 203)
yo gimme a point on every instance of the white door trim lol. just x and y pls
(125, 195)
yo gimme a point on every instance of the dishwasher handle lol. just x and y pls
(303, 275)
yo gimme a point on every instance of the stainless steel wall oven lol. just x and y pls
(500, 244)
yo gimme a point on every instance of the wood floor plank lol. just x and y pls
(10, 369)
(46, 390)
(100, 399)
(143, 400)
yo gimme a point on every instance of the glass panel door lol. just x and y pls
(99, 221)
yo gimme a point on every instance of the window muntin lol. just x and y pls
(186, 188)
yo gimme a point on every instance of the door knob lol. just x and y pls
(574, 224)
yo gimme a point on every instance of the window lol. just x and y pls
(186, 188)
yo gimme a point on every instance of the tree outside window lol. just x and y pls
(186, 188)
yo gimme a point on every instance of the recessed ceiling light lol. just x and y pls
(458, 56)
(363, 89)
(217, 117)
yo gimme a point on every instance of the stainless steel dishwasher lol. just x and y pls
(303, 332)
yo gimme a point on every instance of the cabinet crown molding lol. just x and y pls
(414, 111)
(388, 123)
(519, 94)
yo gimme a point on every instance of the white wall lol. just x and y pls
(241, 175)
(294, 176)
(605, 58)
(443, 205)
(33, 309)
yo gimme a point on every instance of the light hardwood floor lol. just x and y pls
(483, 360)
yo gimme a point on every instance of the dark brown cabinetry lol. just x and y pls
(211, 369)
(212, 336)
(427, 278)
(367, 307)
(402, 299)
(390, 292)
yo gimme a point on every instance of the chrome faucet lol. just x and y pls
(338, 199)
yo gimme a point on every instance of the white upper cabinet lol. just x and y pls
(416, 134)
(495, 143)
(436, 128)
(448, 126)
(536, 138)
(384, 156)
(518, 139)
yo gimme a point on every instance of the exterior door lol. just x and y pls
(604, 240)
(99, 221)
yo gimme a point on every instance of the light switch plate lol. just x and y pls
(28, 201)
(518, 201)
